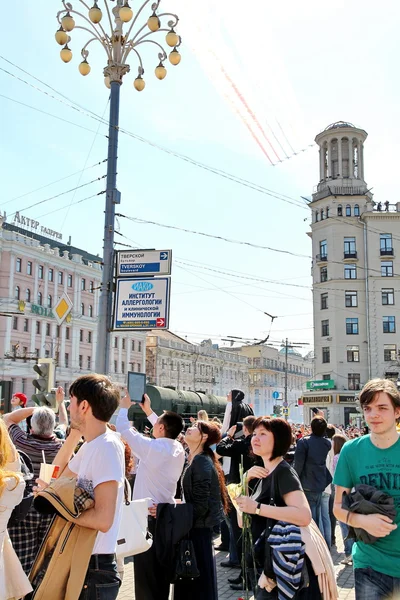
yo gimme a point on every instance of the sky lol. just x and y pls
(253, 89)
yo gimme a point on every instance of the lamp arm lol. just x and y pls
(84, 52)
(147, 35)
(162, 55)
(109, 15)
(96, 37)
(76, 12)
(137, 15)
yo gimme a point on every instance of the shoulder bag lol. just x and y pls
(133, 535)
(185, 561)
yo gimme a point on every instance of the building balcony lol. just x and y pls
(387, 252)
(321, 258)
(350, 256)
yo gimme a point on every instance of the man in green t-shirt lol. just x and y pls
(374, 459)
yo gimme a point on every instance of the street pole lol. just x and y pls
(285, 402)
(106, 292)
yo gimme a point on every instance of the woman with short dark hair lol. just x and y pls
(271, 441)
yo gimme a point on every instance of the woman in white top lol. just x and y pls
(14, 584)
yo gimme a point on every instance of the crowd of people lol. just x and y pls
(270, 492)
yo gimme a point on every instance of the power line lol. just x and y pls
(52, 183)
(77, 202)
(209, 235)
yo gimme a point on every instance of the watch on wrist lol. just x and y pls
(258, 507)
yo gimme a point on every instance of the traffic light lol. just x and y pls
(44, 383)
(277, 410)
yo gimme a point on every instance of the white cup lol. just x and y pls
(48, 472)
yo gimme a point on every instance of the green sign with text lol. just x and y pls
(322, 384)
(42, 311)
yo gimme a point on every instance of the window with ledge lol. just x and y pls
(90, 310)
(89, 362)
(139, 346)
(18, 265)
(58, 330)
(350, 271)
(325, 327)
(387, 268)
(67, 334)
(389, 324)
(83, 285)
(51, 275)
(28, 295)
(69, 280)
(115, 342)
(66, 360)
(351, 326)
(323, 274)
(40, 298)
(60, 277)
(353, 354)
(91, 287)
(40, 271)
(356, 210)
(122, 366)
(16, 292)
(15, 323)
(389, 352)
(350, 247)
(350, 298)
(323, 250)
(387, 296)
(26, 325)
(115, 366)
(29, 268)
(326, 355)
(82, 309)
(316, 216)
(348, 210)
(339, 210)
(324, 301)
(133, 345)
(49, 301)
(48, 329)
(80, 361)
(353, 381)
(89, 339)
(37, 327)
(81, 335)
(386, 246)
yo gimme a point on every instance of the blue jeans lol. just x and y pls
(325, 523)
(101, 581)
(314, 500)
(348, 544)
(372, 585)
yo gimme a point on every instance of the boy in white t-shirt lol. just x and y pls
(99, 467)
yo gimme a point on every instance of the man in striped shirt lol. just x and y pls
(26, 536)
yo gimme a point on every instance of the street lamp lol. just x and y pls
(118, 44)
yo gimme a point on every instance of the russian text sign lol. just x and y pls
(142, 303)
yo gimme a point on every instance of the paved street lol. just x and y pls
(344, 575)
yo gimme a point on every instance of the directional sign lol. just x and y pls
(143, 262)
(142, 303)
(285, 411)
(275, 395)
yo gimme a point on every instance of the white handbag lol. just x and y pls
(133, 535)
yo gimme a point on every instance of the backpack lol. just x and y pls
(21, 510)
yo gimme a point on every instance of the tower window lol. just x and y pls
(356, 210)
(339, 210)
(348, 210)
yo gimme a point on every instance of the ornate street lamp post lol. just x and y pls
(118, 44)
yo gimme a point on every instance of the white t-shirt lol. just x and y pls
(99, 461)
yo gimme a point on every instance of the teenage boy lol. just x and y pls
(99, 469)
(374, 459)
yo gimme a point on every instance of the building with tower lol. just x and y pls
(355, 270)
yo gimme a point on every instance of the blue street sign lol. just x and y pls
(275, 395)
(143, 262)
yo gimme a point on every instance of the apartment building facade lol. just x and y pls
(355, 269)
(35, 270)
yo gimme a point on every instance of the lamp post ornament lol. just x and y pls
(118, 45)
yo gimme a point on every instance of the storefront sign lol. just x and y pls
(321, 384)
(22, 221)
(317, 399)
(42, 311)
(343, 398)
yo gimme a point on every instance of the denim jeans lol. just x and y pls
(314, 500)
(101, 581)
(325, 522)
(372, 585)
(348, 544)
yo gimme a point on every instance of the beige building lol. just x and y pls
(35, 270)
(267, 375)
(173, 361)
(355, 273)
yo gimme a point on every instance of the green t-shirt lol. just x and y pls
(362, 462)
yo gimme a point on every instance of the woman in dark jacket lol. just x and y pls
(203, 486)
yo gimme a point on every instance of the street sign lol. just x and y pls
(275, 395)
(143, 262)
(142, 303)
(62, 308)
(285, 411)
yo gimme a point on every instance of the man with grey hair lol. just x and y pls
(27, 535)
